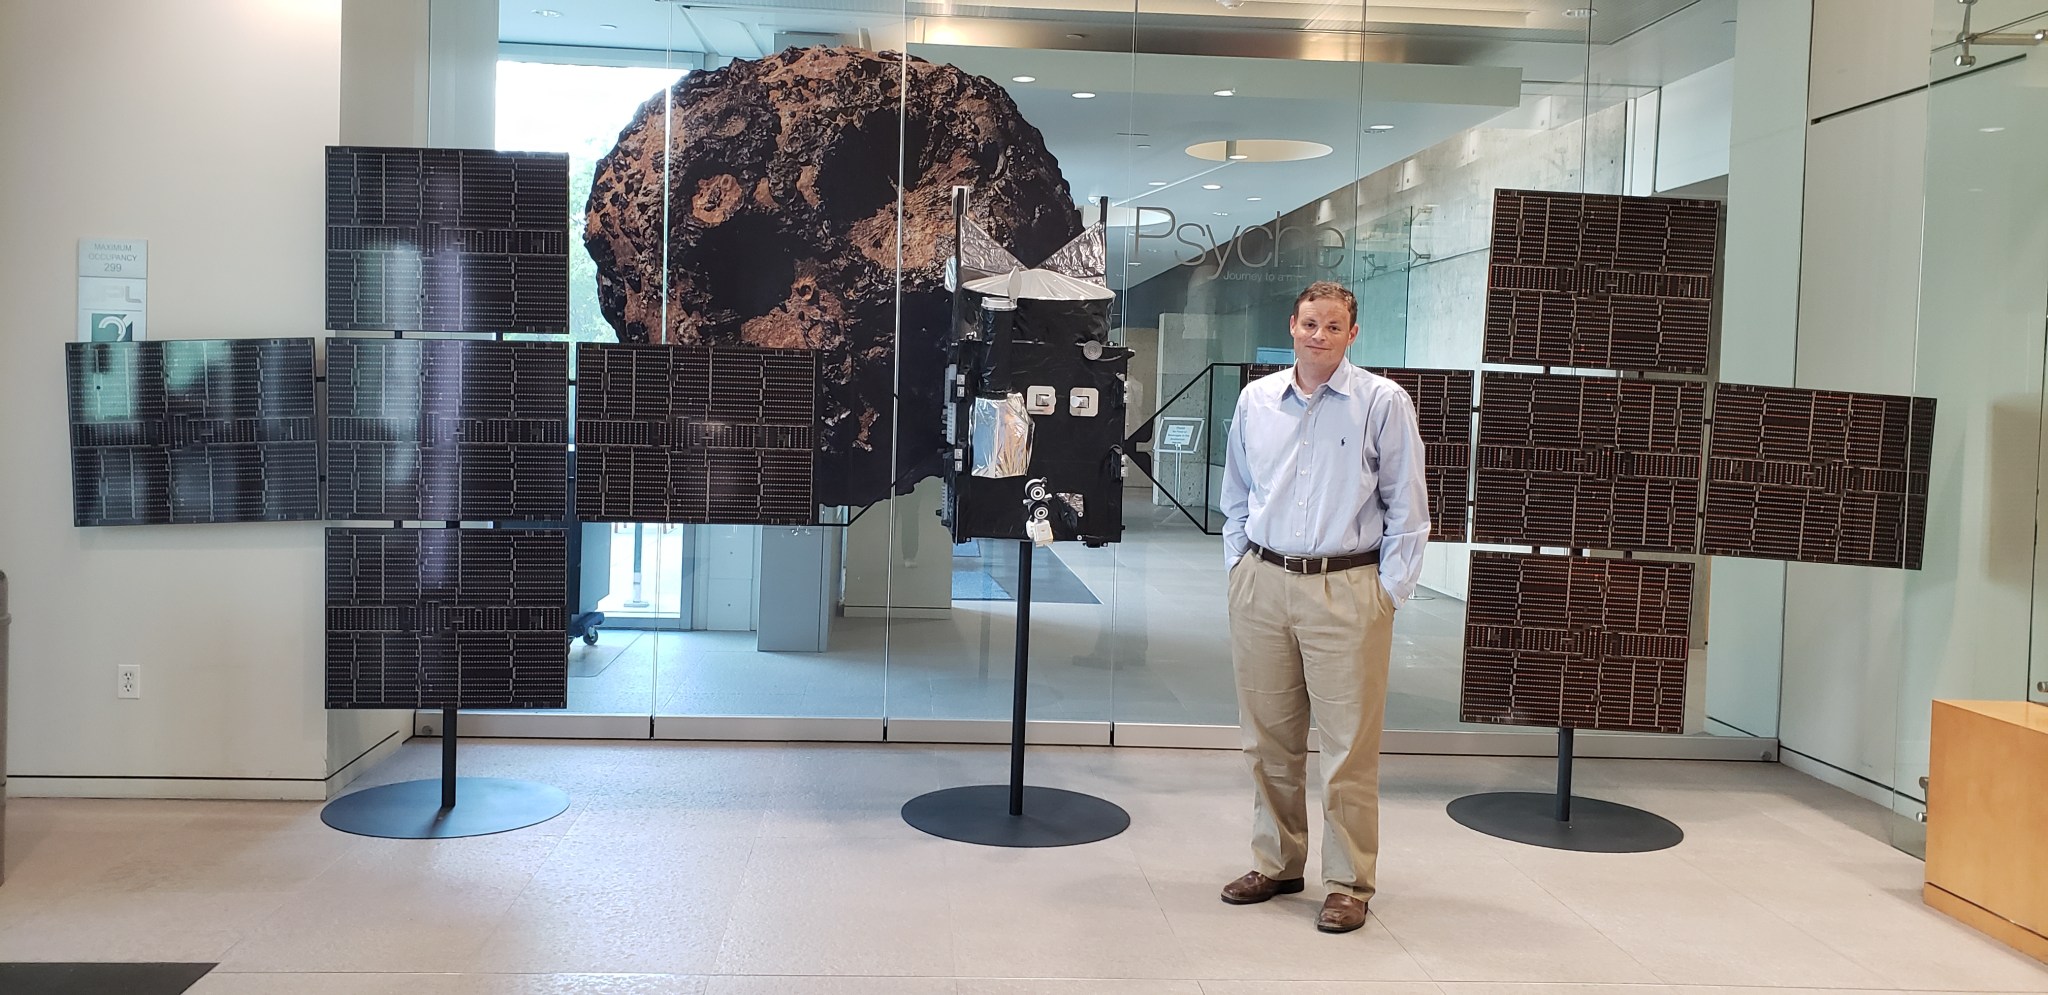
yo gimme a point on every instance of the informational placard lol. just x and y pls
(1179, 435)
(113, 289)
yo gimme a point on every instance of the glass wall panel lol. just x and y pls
(1975, 620)
(1233, 152)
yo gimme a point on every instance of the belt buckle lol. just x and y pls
(1287, 563)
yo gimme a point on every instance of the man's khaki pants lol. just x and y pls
(1312, 645)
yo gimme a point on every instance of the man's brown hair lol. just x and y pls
(1326, 290)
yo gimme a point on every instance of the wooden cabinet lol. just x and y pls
(1987, 806)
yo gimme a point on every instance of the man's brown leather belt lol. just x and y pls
(1315, 564)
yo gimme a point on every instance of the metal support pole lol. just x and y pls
(1564, 775)
(447, 759)
(638, 600)
(1017, 706)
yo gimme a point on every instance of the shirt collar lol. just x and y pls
(1341, 382)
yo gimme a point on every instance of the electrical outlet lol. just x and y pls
(131, 681)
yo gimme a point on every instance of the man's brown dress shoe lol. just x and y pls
(1341, 914)
(1254, 888)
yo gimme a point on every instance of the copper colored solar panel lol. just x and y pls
(695, 434)
(1577, 643)
(1589, 462)
(447, 618)
(1819, 476)
(1601, 281)
(1443, 412)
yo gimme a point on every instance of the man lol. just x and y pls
(1327, 514)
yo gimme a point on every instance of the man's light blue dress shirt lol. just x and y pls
(1339, 471)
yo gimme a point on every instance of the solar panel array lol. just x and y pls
(447, 430)
(189, 431)
(447, 240)
(1589, 462)
(1819, 476)
(447, 618)
(695, 434)
(1601, 281)
(1577, 643)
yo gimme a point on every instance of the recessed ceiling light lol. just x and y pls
(1083, 95)
(1992, 130)
(1258, 150)
(1226, 93)
(1255, 199)
(1212, 186)
(609, 27)
(1023, 79)
(548, 13)
(1156, 183)
(1379, 127)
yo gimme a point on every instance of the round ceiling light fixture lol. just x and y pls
(1156, 183)
(1083, 95)
(1259, 150)
(1226, 93)
(1212, 186)
(1023, 79)
(1379, 127)
(1254, 200)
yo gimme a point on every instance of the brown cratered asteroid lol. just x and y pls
(781, 222)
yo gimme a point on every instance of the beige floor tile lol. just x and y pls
(1871, 912)
(597, 905)
(869, 907)
(1467, 918)
(226, 983)
(1321, 988)
(1684, 925)
(788, 985)
(127, 926)
(1075, 986)
(1058, 912)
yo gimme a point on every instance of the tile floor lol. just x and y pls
(716, 869)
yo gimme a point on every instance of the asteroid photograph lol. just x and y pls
(758, 205)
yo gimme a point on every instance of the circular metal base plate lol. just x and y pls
(411, 810)
(1596, 827)
(980, 814)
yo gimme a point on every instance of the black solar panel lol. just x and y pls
(695, 434)
(447, 240)
(447, 430)
(447, 618)
(196, 430)
(1820, 476)
(1601, 281)
(1589, 462)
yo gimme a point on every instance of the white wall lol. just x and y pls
(1759, 331)
(1694, 118)
(206, 140)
